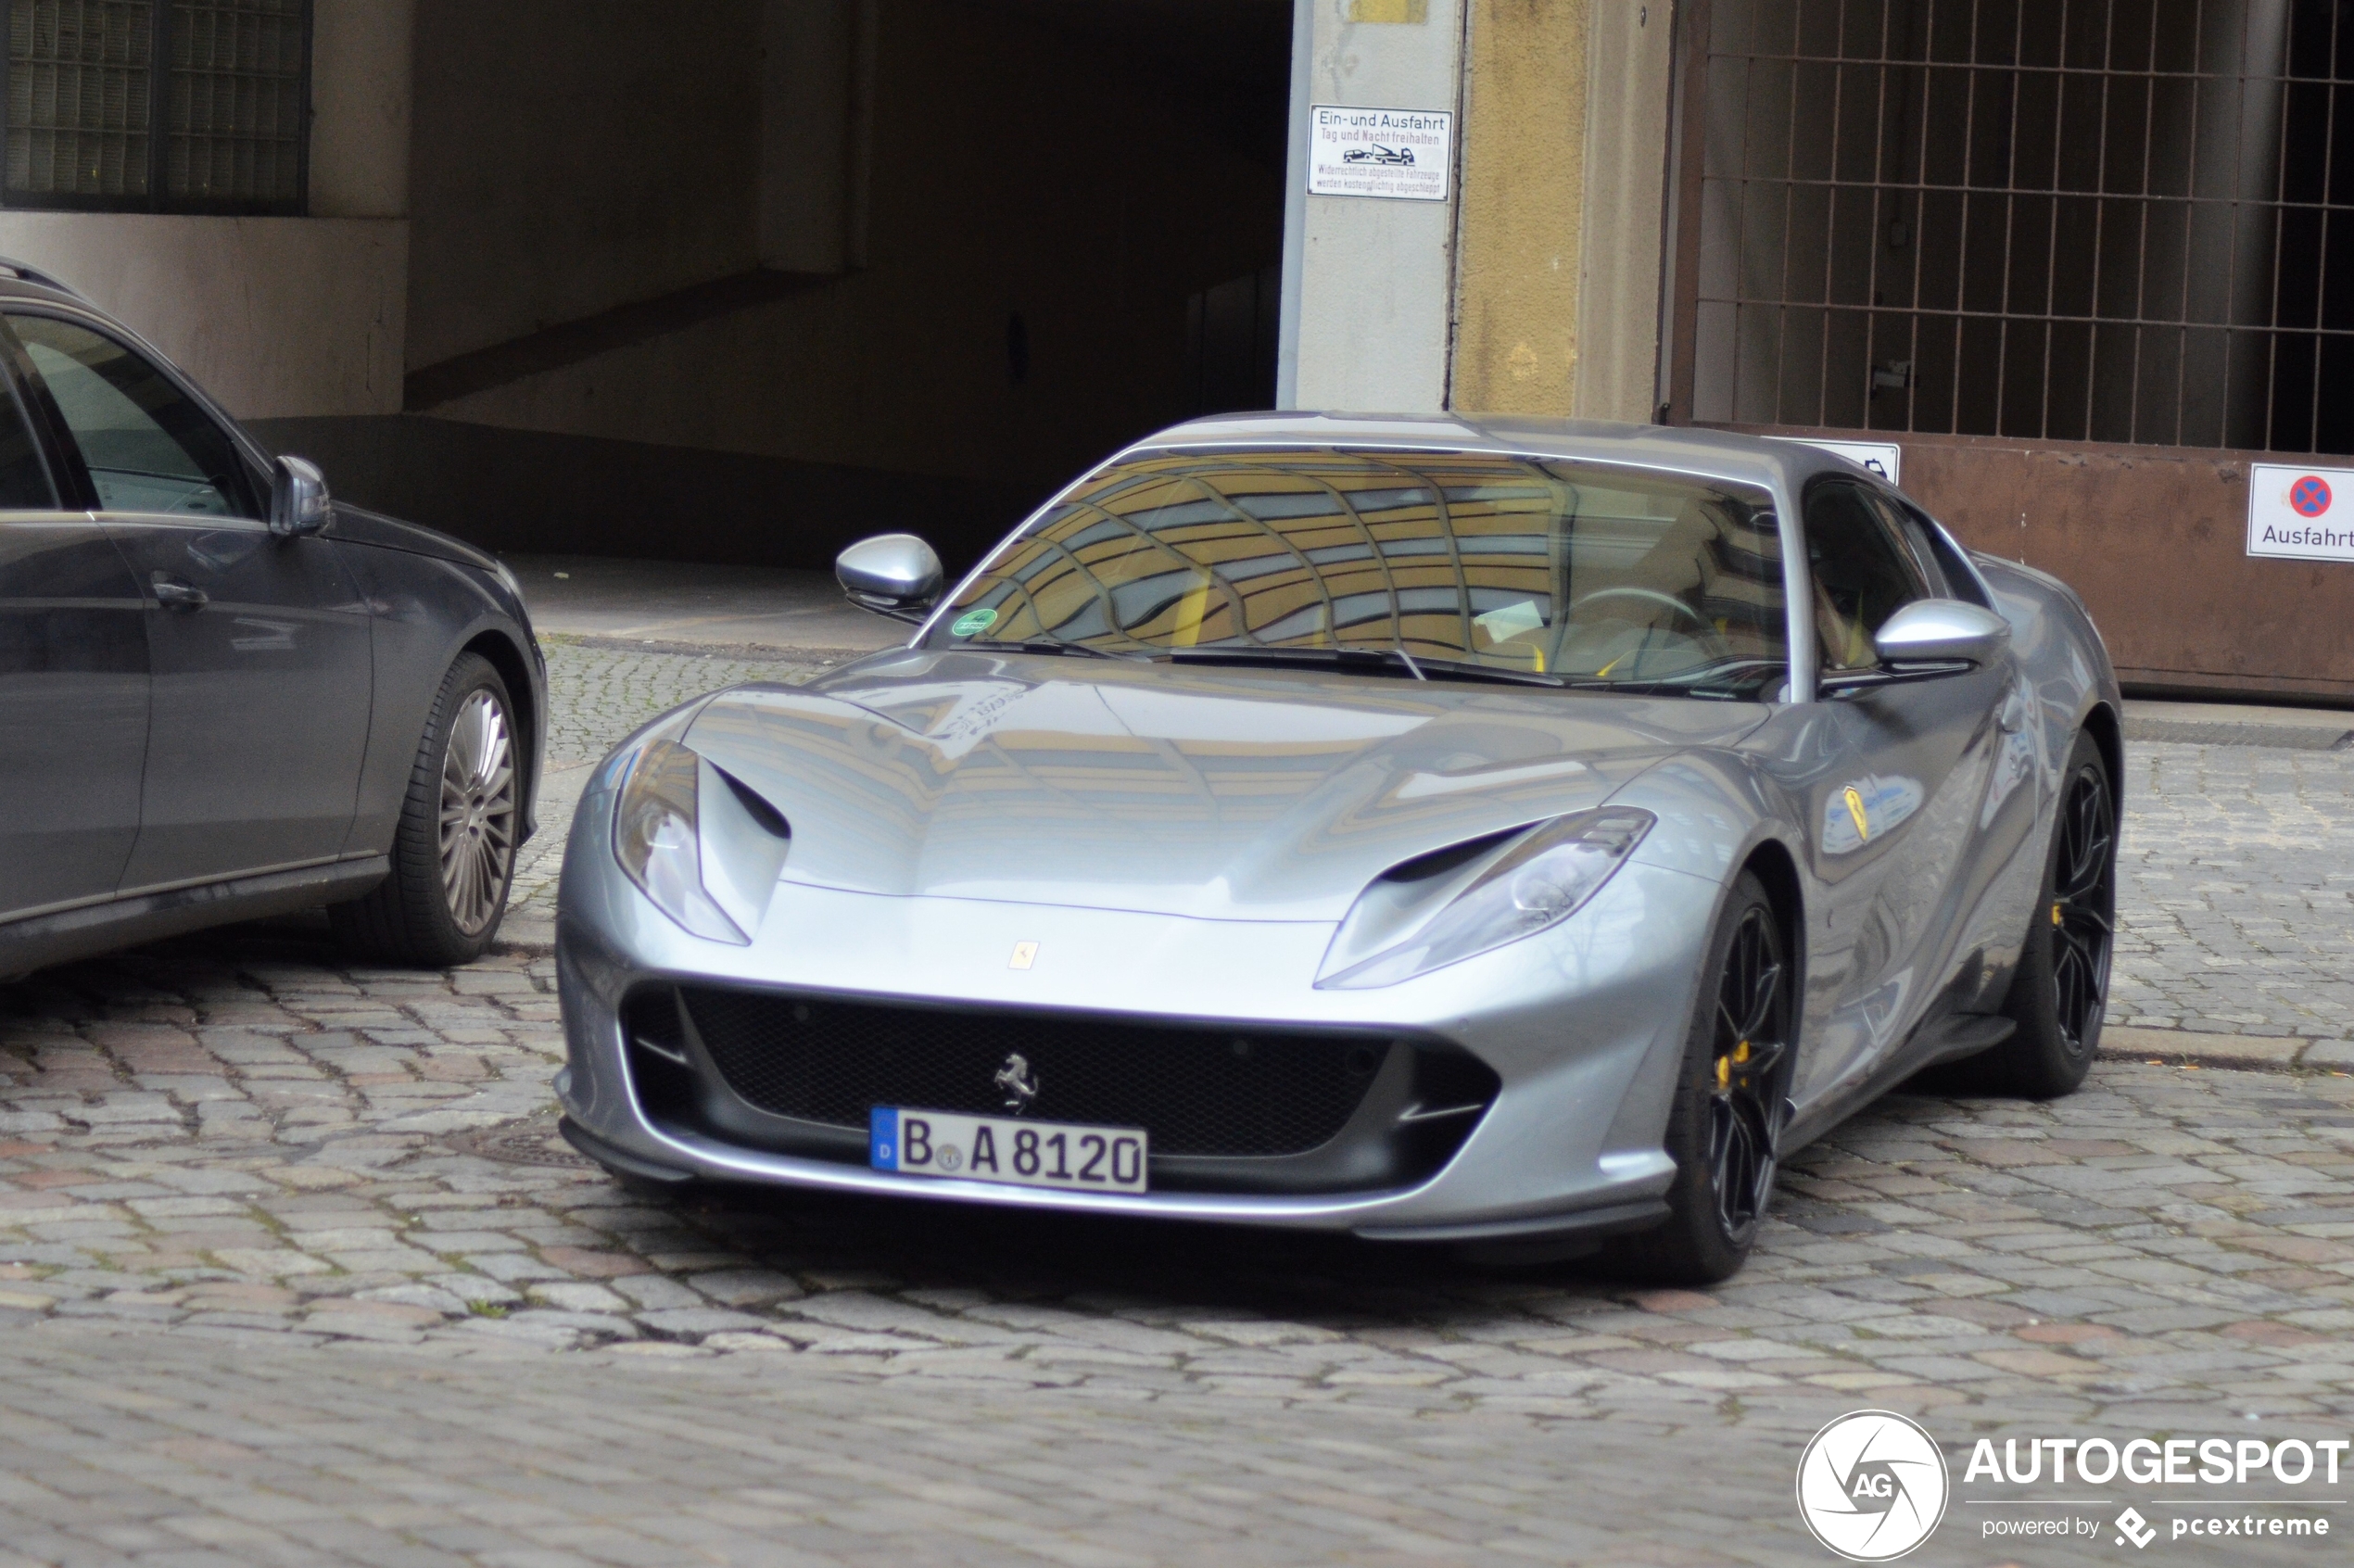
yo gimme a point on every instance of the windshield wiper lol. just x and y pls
(1370, 661)
(1042, 645)
(1707, 682)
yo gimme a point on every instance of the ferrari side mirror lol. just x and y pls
(895, 575)
(1941, 631)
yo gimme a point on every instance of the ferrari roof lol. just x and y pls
(1709, 454)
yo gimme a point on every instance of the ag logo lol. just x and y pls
(1872, 1485)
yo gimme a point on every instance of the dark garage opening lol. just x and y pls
(740, 282)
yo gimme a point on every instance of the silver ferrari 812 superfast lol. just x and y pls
(1505, 831)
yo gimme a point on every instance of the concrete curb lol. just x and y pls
(526, 939)
(2176, 1047)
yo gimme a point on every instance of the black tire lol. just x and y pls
(1725, 1125)
(443, 901)
(2061, 987)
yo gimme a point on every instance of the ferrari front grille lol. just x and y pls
(1197, 1089)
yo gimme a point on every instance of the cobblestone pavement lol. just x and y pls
(2237, 877)
(292, 1269)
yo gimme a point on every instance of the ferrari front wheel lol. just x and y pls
(1725, 1124)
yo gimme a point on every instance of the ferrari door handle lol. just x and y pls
(2013, 716)
(173, 594)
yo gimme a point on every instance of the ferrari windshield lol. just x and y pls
(1573, 570)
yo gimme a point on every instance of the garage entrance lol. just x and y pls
(743, 280)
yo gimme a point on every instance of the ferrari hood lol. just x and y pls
(1218, 793)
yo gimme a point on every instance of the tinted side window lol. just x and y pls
(1960, 581)
(1862, 576)
(24, 478)
(148, 446)
(1913, 539)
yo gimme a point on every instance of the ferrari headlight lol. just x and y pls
(1543, 880)
(657, 836)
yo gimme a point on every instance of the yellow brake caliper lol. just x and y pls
(1724, 1066)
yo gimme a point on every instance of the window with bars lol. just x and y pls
(2091, 219)
(156, 106)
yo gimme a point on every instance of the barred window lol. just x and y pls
(2095, 220)
(156, 106)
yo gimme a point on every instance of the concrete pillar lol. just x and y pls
(1534, 289)
(362, 54)
(816, 89)
(1630, 90)
(1523, 222)
(1370, 322)
(1565, 108)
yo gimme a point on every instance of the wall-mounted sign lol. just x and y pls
(2305, 514)
(1883, 458)
(1403, 155)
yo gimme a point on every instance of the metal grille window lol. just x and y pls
(156, 106)
(2090, 220)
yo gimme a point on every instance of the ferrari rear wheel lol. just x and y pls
(2061, 990)
(1725, 1126)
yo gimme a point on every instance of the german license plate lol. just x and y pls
(995, 1148)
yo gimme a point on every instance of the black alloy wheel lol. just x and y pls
(2083, 906)
(2060, 990)
(1745, 1105)
(1725, 1124)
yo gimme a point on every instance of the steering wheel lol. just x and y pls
(1649, 596)
(1713, 639)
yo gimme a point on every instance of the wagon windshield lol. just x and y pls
(1567, 571)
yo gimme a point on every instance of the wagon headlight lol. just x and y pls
(703, 848)
(1414, 920)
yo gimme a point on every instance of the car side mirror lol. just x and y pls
(299, 503)
(1941, 631)
(893, 574)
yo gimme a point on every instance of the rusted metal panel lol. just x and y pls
(2155, 538)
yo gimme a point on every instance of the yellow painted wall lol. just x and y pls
(1631, 77)
(1522, 206)
(1565, 112)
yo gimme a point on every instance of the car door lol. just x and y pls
(1892, 799)
(258, 643)
(73, 689)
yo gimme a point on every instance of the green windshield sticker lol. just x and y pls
(973, 621)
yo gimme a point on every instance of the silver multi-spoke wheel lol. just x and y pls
(477, 812)
(462, 820)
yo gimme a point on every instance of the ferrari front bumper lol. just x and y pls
(1581, 1027)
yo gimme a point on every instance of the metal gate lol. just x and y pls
(2114, 221)
(2085, 262)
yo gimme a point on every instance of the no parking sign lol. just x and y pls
(2304, 513)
